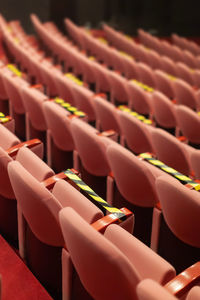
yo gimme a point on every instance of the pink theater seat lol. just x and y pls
(189, 123)
(139, 100)
(172, 152)
(102, 79)
(133, 186)
(150, 290)
(8, 210)
(175, 227)
(40, 236)
(91, 161)
(107, 115)
(155, 60)
(164, 111)
(146, 74)
(60, 143)
(35, 121)
(185, 94)
(119, 88)
(169, 66)
(189, 59)
(184, 72)
(64, 87)
(123, 261)
(13, 87)
(164, 84)
(135, 134)
(7, 138)
(84, 102)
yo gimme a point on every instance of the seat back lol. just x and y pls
(180, 207)
(185, 94)
(136, 133)
(131, 176)
(170, 151)
(138, 99)
(150, 290)
(111, 276)
(58, 124)
(7, 138)
(163, 110)
(33, 101)
(189, 123)
(39, 207)
(107, 115)
(164, 84)
(90, 148)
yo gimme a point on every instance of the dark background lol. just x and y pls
(161, 17)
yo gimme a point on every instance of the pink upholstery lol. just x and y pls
(116, 272)
(64, 87)
(7, 138)
(179, 155)
(189, 123)
(83, 101)
(163, 110)
(184, 72)
(107, 115)
(13, 87)
(131, 175)
(90, 148)
(33, 164)
(180, 208)
(185, 94)
(33, 100)
(136, 134)
(146, 74)
(139, 100)
(164, 84)
(151, 290)
(119, 88)
(194, 293)
(169, 66)
(69, 196)
(60, 143)
(41, 205)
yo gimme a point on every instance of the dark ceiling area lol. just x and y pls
(160, 17)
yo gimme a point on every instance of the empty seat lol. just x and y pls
(185, 94)
(120, 256)
(139, 100)
(179, 224)
(60, 144)
(40, 236)
(189, 123)
(107, 115)
(131, 176)
(8, 205)
(164, 111)
(184, 72)
(91, 150)
(135, 134)
(164, 84)
(151, 290)
(171, 151)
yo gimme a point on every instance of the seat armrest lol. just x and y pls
(183, 282)
(101, 224)
(51, 181)
(29, 144)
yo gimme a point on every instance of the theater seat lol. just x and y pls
(123, 261)
(60, 143)
(179, 223)
(151, 290)
(40, 236)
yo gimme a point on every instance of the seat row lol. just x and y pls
(38, 226)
